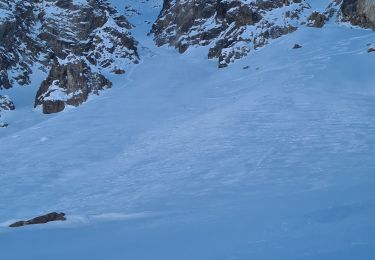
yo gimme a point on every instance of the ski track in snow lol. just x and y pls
(181, 160)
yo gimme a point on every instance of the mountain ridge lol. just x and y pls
(53, 36)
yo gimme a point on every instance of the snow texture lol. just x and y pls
(181, 160)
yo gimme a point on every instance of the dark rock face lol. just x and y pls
(231, 28)
(54, 216)
(18, 48)
(359, 12)
(74, 40)
(53, 106)
(316, 19)
(70, 84)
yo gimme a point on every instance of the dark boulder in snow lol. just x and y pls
(54, 216)
(53, 106)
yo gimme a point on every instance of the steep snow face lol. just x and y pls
(230, 28)
(59, 37)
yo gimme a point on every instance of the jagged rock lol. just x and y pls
(297, 46)
(359, 12)
(231, 28)
(54, 216)
(47, 34)
(371, 49)
(316, 19)
(69, 83)
(18, 47)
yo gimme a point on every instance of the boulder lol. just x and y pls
(54, 216)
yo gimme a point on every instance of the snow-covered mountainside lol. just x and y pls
(269, 157)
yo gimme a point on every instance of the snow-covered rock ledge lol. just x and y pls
(5, 104)
(230, 28)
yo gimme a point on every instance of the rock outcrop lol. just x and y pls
(359, 12)
(5, 104)
(53, 216)
(69, 83)
(18, 46)
(316, 19)
(74, 42)
(230, 28)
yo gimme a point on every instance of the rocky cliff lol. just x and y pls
(359, 12)
(230, 28)
(73, 41)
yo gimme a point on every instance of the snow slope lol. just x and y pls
(181, 160)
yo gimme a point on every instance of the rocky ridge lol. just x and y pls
(77, 42)
(230, 28)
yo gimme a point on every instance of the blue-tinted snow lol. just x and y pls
(181, 160)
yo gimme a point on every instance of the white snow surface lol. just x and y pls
(181, 160)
